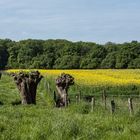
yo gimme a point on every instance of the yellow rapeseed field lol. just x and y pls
(96, 77)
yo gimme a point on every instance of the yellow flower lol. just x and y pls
(96, 77)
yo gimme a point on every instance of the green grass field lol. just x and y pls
(45, 122)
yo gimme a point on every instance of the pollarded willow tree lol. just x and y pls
(63, 83)
(0, 75)
(27, 85)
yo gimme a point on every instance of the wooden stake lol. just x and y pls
(76, 99)
(45, 84)
(79, 96)
(54, 96)
(104, 98)
(130, 105)
(103, 95)
(65, 98)
(48, 87)
(92, 103)
(112, 106)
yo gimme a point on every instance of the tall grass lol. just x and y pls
(45, 122)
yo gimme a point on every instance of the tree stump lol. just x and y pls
(27, 85)
(63, 83)
(0, 75)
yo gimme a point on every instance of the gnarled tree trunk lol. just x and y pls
(63, 83)
(0, 75)
(27, 86)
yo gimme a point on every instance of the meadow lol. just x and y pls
(76, 122)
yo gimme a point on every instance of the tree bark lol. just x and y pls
(0, 75)
(27, 85)
(63, 83)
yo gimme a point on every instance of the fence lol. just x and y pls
(112, 102)
(129, 102)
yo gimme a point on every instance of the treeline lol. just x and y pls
(63, 54)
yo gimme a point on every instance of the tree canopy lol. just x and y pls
(63, 54)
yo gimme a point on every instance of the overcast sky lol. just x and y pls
(86, 20)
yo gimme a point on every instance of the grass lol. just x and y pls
(45, 122)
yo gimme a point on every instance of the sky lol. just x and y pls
(98, 21)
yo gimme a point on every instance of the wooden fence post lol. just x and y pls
(130, 105)
(76, 99)
(65, 100)
(45, 84)
(112, 106)
(104, 98)
(54, 96)
(48, 87)
(92, 103)
(103, 95)
(79, 96)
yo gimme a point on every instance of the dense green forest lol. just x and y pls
(63, 54)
